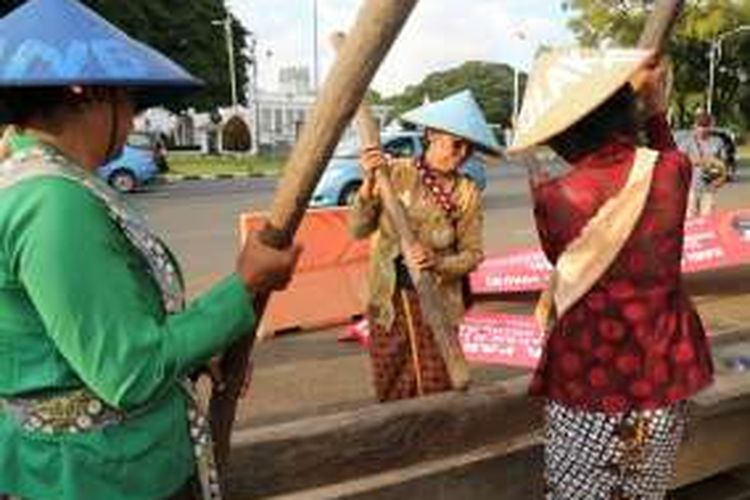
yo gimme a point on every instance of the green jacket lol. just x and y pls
(78, 309)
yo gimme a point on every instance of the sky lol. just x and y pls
(439, 35)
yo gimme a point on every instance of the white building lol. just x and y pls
(271, 123)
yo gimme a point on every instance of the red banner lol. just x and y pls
(503, 339)
(719, 241)
(520, 271)
(491, 338)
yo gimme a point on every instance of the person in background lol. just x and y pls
(444, 209)
(625, 348)
(96, 339)
(708, 155)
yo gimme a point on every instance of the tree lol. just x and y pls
(183, 31)
(491, 83)
(621, 21)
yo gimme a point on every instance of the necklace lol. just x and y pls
(441, 194)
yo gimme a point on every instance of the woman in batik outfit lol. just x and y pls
(624, 355)
(96, 340)
(445, 212)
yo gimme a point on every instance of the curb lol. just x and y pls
(170, 178)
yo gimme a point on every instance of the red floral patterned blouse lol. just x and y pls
(634, 341)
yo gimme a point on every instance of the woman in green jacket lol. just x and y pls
(95, 338)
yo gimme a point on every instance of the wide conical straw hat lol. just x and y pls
(567, 84)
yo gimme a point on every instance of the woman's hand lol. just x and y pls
(420, 257)
(652, 86)
(265, 269)
(371, 160)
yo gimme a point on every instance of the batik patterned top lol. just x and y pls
(634, 340)
(456, 237)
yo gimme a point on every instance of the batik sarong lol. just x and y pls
(598, 456)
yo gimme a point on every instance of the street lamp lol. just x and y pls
(252, 50)
(229, 35)
(315, 45)
(713, 59)
(517, 82)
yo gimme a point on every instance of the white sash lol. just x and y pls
(588, 257)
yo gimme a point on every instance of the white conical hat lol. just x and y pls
(567, 84)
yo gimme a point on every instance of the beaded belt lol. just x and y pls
(80, 411)
(71, 412)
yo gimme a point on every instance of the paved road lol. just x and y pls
(199, 218)
(199, 221)
(312, 373)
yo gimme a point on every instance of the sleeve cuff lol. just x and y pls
(212, 322)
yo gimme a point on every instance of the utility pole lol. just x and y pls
(516, 91)
(315, 46)
(229, 36)
(253, 50)
(517, 83)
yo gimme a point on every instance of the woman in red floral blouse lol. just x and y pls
(629, 349)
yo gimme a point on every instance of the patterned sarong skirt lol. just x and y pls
(406, 361)
(599, 456)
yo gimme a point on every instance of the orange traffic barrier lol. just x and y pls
(329, 285)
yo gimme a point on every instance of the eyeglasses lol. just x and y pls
(456, 144)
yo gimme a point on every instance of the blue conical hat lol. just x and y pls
(458, 114)
(62, 42)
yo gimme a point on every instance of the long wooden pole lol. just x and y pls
(659, 24)
(376, 28)
(658, 29)
(433, 307)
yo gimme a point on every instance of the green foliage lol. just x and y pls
(182, 31)
(621, 21)
(491, 83)
(195, 164)
(373, 97)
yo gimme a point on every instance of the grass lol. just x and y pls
(197, 164)
(743, 156)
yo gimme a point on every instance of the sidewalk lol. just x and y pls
(173, 177)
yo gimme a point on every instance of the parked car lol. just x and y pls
(730, 147)
(136, 165)
(343, 176)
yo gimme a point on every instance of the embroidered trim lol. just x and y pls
(71, 412)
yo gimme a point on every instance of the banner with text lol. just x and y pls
(504, 339)
(715, 242)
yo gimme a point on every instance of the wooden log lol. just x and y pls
(401, 442)
(659, 24)
(376, 28)
(323, 450)
(489, 473)
(716, 438)
(433, 308)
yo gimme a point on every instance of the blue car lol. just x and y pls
(135, 166)
(343, 175)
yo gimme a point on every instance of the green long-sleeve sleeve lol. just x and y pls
(79, 308)
(97, 302)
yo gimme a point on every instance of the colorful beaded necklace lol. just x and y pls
(442, 195)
